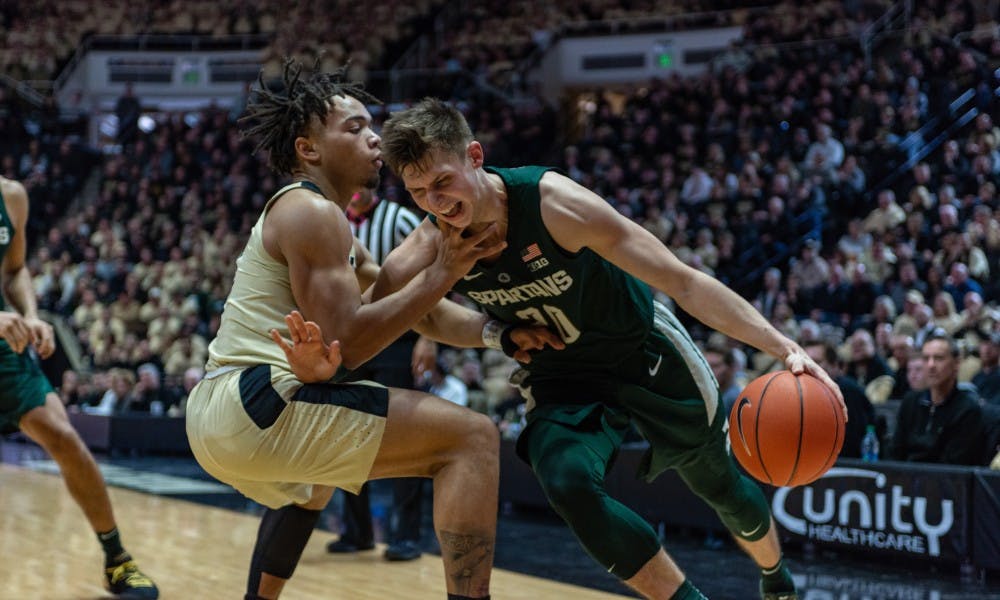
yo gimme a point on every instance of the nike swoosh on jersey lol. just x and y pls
(471, 277)
(656, 368)
(751, 532)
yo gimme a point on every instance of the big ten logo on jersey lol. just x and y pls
(541, 263)
(4, 235)
(532, 255)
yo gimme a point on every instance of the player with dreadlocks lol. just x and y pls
(267, 419)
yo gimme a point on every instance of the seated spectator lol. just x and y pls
(773, 227)
(902, 354)
(906, 279)
(831, 299)
(825, 155)
(941, 424)
(149, 394)
(883, 312)
(809, 331)
(924, 319)
(186, 351)
(864, 363)
(915, 373)
(697, 187)
(945, 315)
(959, 283)
(978, 320)
(953, 166)
(879, 261)
(855, 241)
(723, 365)
(812, 269)
(784, 319)
(861, 295)
(441, 383)
(69, 388)
(470, 372)
(769, 296)
(801, 301)
(987, 380)
(88, 311)
(860, 412)
(887, 215)
(121, 383)
(191, 378)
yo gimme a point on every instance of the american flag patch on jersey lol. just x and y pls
(531, 253)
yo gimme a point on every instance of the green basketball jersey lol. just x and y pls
(6, 235)
(602, 313)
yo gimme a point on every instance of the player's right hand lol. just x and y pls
(15, 331)
(311, 359)
(798, 361)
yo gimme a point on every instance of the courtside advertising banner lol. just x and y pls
(904, 512)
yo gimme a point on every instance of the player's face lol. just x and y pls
(350, 149)
(445, 187)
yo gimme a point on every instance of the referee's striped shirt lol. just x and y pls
(384, 227)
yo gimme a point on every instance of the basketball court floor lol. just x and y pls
(194, 536)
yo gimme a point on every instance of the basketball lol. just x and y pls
(786, 429)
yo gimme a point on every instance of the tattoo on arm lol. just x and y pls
(468, 559)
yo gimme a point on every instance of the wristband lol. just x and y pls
(492, 333)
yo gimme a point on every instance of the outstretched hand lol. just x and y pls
(311, 359)
(533, 337)
(797, 361)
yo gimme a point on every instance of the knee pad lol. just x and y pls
(743, 509)
(739, 502)
(569, 488)
(282, 537)
(610, 532)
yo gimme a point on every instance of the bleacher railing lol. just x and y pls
(899, 16)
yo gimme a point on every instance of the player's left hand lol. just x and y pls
(311, 359)
(42, 336)
(798, 362)
(533, 337)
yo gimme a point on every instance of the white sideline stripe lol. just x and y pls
(144, 481)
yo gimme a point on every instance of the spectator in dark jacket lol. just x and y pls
(943, 423)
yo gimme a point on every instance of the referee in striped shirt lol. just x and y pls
(381, 225)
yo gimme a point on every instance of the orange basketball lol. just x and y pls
(786, 430)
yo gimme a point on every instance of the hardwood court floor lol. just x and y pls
(197, 552)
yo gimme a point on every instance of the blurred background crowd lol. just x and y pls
(852, 197)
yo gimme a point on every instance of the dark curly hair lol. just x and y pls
(280, 116)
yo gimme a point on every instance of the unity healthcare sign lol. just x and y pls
(901, 511)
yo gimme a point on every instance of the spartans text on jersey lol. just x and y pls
(552, 285)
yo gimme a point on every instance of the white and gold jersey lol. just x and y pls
(260, 298)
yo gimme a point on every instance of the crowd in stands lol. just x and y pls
(37, 39)
(782, 173)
